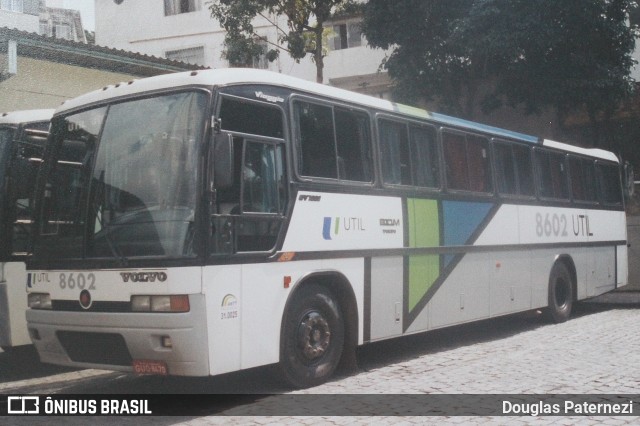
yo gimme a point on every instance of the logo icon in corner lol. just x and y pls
(85, 299)
(326, 228)
(229, 307)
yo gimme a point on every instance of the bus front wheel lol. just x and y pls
(560, 293)
(313, 337)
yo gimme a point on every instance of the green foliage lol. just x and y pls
(303, 35)
(570, 54)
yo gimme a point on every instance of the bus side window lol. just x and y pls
(353, 145)
(424, 157)
(478, 160)
(513, 169)
(467, 162)
(552, 176)
(609, 185)
(583, 179)
(315, 140)
(394, 145)
(505, 169)
(455, 157)
(333, 142)
(524, 170)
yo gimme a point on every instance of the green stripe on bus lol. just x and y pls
(424, 231)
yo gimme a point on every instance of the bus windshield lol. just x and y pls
(124, 180)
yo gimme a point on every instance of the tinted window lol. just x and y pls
(394, 147)
(409, 154)
(467, 162)
(251, 117)
(513, 169)
(609, 184)
(333, 142)
(552, 176)
(583, 179)
(68, 177)
(524, 170)
(26, 163)
(424, 156)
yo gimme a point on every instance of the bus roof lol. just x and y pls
(592, 152)
(26, 116)
(232, 76)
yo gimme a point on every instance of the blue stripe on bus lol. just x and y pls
(461, 220)
(469, 125)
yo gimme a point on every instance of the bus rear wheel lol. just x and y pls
(560, 294)
(312, 337)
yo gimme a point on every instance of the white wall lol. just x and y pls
(45, 84)
(635, 71)
(142, 27)
(20, 21)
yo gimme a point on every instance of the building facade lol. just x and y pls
(184, 30)
(46, 71)
(33, 16)
(61, 23)
(23, 15)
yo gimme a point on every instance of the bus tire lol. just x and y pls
(560, 294)
(312, 337)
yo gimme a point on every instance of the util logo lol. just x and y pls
(332, 226)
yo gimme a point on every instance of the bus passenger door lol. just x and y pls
(248, 211)
(246, 216)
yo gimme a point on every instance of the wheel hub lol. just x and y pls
(314, 335)
(561, 293)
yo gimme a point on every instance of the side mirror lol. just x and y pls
(222, 160)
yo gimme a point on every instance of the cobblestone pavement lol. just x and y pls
(596, 353)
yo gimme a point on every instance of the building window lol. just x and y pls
(192, 55)
(62, 31)
(174, 7)
(12, 5)
(346, 35)
(45, 30)
(261, 62)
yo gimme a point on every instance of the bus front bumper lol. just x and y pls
(155, 343)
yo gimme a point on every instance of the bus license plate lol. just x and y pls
(146, 366)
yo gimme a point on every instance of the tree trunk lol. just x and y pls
(318, 57)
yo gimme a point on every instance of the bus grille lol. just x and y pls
(74, 306)
(96, 348)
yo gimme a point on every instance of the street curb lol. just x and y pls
(617, 298)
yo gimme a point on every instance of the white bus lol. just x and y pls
(23, 135)
(206, 222)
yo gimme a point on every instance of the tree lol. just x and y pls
(304, 33)
(423, 62)
(91, 36)
(571, 55)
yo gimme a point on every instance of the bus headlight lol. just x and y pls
(164, 303)
(39, 300)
